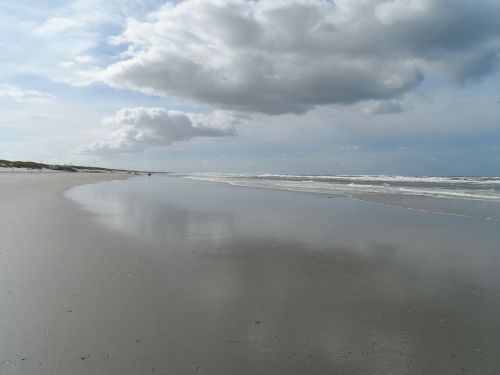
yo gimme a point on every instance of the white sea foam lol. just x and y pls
(468, 188)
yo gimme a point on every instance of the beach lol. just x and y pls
(105, 275)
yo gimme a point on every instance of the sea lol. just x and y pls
(472, 196)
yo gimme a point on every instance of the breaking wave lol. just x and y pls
(465, 196)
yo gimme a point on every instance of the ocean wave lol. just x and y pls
(453, 187)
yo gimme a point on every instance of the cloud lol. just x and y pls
(81, 59)
(55, 26)
(22, 95)
(38, 37)
(287, 56)
(141, 128)
(349, 148)
(382, 107)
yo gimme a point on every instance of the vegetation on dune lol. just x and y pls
(23, 164)
(55, 167)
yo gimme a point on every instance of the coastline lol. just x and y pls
(200, 278)
(56, 270)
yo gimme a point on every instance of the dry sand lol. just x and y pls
(79, 299)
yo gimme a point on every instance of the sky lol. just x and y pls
(409, 87)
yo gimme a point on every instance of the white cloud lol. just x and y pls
(56, 25)
(22, 95)
(81, 59)
(141, 128)
(38, 37)
(285, 56)
(84, 59)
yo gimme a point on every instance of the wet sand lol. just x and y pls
(171, 276)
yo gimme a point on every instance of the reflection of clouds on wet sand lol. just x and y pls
(167, 212)
(346, 310)
(291, 283)
(160, 222)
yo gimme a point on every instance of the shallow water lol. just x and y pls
(465, 196)
(335, 284)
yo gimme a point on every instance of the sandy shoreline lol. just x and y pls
(56, 277)
(239, 281)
